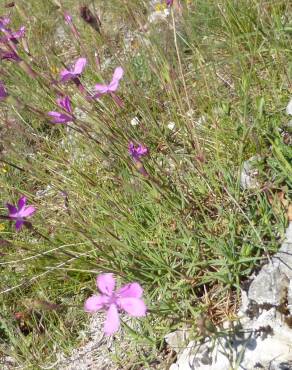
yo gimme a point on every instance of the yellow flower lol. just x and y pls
(160, 7)
(4, 168)
(54, 70)
(2, 227)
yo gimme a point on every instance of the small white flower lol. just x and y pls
(171, 126)
(135, 121)
(289, 108)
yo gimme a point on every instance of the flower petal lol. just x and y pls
(3, 93)
(60, 117)
(118, 74)
(130, 290)
(18, 34)
(12, 209)
(131, 147)
(66, 75)
(97, 96)
(19, 224)
(11, 56)
(21, 203)
(142, 150)
(68, 17)
(106, 283)
(4, 21)
(94, 303)
(28, 211)
(79, 66)
(113, 86)
(102, 89)
(133, 306)
(112, 322)
(65, 103)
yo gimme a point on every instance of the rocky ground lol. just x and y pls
(262, 336)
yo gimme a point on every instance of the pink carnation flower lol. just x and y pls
(60, 117)
(20, 213)
(74, 72)
(110, 88)
(127, 298)
(3, 93)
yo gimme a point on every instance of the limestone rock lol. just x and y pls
(249, 174)
(262, 338)
(270, 286)
(177, 339)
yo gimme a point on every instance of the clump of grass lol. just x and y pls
(186, 232)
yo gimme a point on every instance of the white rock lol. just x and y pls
(269, 286)
(171, 126)
(267, 351)
(135, 121)
(289, 108)
(45, 192)
(201, 357)
(263, 339)
(248, 176)
(177, 339)
(289, 233)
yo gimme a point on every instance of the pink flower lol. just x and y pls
(112, 86)
(76, 71)
(68, 17)
(127, 298)
(62, 118)
(11, 56)
(20, 212)
(18, 34)
(138, 151)
(69, 20)
(4, 21)
(9, 34)
(3, 93)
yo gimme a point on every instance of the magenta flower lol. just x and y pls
(68, 17)
(76, 71)
(169, 3)
(13, 36)
(18, 34)
(127, 298)
(3, 93)
(10, 35)
(138, 151)
(11, 56)
(112, 86)
(69, 21)
(20, 212)
(65, 104)
(4, 21)
(62, 118)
